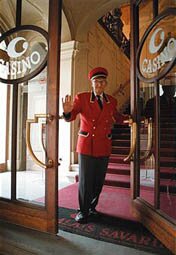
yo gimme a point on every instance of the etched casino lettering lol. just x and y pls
(24, 54)
(14, 67)
(151, 65)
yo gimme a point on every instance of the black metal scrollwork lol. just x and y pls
(113, 25)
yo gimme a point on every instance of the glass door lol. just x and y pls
(153, 110)
(29, 88)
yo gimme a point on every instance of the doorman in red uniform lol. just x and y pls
(97, 112)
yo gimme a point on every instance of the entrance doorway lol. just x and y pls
(30, 116)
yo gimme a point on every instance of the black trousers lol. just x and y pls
(92, 171)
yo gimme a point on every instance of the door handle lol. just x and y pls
(49, 118)
(149, 124)
(133, 130)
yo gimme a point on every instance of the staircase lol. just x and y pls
(118, 174)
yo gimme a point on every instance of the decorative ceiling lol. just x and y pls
(77, 17)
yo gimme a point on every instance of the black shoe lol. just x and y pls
(81, 218)
(93, 212)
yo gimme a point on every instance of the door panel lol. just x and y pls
(147, 156)
(145, 16)
(32, 106)
(168, 145)
(153, 28)
(32, 102)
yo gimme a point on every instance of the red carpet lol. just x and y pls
(113, 201)
(116, 224)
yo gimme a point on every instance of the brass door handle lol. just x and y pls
(149, 138)
(133, 130)
(49, 117)
(42, 126)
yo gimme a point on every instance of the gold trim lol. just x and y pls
(42, 142)
(92, 97)
(133, 139)
(149, 138)
(106, 98)
(49, 117)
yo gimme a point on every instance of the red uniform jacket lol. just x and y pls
(94, 137)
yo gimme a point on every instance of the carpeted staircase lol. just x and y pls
(118, 174)
(119, 171)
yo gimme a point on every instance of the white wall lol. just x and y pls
(68, 50)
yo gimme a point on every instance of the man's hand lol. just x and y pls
(67, 104)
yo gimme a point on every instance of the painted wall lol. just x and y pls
(98, 50)
(104, 52)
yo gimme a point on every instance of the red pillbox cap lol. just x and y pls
(98, 72)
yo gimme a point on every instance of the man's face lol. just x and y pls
(99, 85)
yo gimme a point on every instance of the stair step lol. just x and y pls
(121, 136)
(168, 173)
(117, 180)
(166, 130)
(124, 181)
(168, 144)
(123, 143)
(119, 126)
(168, 135)
(117, 158)
(121, 130)
(164, 161)
(168, 161)
(168, 186)
(118, 172)
(171, 119)
(122, 169)
(167, 125)
(120, 150)
(167, 152)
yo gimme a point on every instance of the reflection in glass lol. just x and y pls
(147, 157)
(26, 52)
(5, 171)
(168, 145)
(159, 48)
(164, 4)
(30, 176)
(38, 13)
(7, 9)
(145, 16)
(167, 166)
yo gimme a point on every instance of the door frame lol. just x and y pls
(149, 216)
(12, 210)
